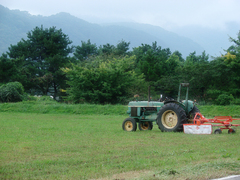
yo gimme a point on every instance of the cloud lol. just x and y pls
(164, 13)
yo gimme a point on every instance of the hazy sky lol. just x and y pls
(164, 13)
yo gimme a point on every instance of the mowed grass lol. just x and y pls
(68, 146)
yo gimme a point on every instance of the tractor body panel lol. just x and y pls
(189, 106)
(144, 110)
(145, 104)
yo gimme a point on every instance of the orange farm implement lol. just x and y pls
(223, 121)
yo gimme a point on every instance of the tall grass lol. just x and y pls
(53, 107)
(49, 106)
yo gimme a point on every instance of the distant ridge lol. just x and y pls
(15, 24)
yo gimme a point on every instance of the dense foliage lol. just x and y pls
(42, 55)
(103, 80)
(11, 92)
(114, 74)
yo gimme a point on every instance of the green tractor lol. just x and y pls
(169, 115)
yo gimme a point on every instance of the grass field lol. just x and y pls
(80, 146)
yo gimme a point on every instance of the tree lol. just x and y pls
(192, 58)
(232, 57)
(172, 63)
(86, 50)
(9, 69)
(177, 53)
(218, 79)
(106, 49)
(152, 61)
(199, 76)
(12, 70)
(103, 81)
(232, 62)
(122, 48)
(44, 53)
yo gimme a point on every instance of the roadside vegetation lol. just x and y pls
(47, 105)
(50, 106)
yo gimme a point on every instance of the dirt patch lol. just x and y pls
(126, 175)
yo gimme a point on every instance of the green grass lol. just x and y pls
(214, 110)
(79, 146)
(53, 107)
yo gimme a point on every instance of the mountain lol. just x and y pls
(166, 38)
(15, 24)
(214, 40)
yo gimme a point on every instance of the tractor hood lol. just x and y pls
(145, 104)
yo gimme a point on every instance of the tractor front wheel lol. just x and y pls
(129, 124)
(171, 117)
(145, 125)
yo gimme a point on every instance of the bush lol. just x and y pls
(214, 93)
(46, 100)
(235, 102)
(30, 98)
(11, 92)
(224, 99)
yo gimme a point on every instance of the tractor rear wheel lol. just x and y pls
(171, 117)
(129, 124)
(145, 125)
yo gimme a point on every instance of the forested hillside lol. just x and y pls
(79, 62)
(15, 24)
(115, 73)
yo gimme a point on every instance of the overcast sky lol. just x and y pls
(164, 13)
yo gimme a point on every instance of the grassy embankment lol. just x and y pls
(47, 140)
(52, 107)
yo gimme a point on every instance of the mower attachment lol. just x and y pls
(199, 120)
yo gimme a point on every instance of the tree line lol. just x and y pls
(46, 63)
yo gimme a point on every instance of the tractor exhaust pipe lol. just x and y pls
(149, 93)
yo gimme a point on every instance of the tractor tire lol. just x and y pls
(218, 131)
(171, 118)
(192, 114)
(145, 125)
(231, 131)
(129, 124)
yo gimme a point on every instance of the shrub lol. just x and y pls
(11, 92)
(224, 99)
(45, 98)
(235, 101)
(30, 98)
(214, 93)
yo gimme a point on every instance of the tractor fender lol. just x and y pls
(176, 102)
(190, 105)
(172, 101)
